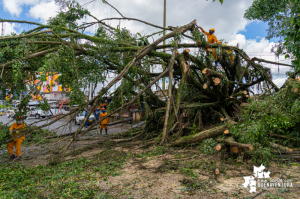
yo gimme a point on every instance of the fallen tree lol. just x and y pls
(199, 92)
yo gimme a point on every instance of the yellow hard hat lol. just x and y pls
(212, 29)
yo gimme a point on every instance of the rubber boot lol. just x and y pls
(12, 157)
(106, 131)
(18, 157)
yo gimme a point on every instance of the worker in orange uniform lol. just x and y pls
(103, 122)
(211, 38)
(19, 127)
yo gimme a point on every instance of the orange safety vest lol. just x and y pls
(15, 126)
(105, 121)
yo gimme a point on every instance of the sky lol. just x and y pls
(227, 19)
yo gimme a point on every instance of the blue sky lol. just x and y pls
(257, 30)
(4, 14)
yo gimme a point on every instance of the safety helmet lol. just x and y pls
(212, 29)
(19, 118)
(97, 109)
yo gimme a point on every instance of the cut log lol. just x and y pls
(296, 90)
(187, 51)
(247, 96)
(205, 86)
(235, 149)
(226, 131)
(285, 137)
(231, 142)
(219, 147)
(217, 81)
(213, 132)
(222, 119)
(245, 92)
(280, 147)
(205, 70)
(217, 171)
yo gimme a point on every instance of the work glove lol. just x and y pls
(10, 132)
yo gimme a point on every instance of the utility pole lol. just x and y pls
(164, 50)
(2, 29)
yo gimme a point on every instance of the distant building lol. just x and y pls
(50, 89)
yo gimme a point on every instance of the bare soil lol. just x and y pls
(173, 173)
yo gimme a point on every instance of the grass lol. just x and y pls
(64, 180)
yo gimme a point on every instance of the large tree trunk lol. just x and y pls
(213, 132)
(184, 69)
(165, 129)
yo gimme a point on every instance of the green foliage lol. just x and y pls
(69, 18)
(154, 152)
(44, 105)
(4, 132)
(264, 10)
(62, 181)
(221, 1)
(278, 113)
(189, 172)
(208, 146)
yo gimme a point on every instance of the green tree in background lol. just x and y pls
(283, 17)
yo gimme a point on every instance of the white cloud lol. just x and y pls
(43, 10)
(14, 7)
(9, 28)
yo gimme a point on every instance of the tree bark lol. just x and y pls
(213, 132)
(285, 137)
(280, 147)
(165, 129)
(231, 142)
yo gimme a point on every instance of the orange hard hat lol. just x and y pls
(212, 29)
